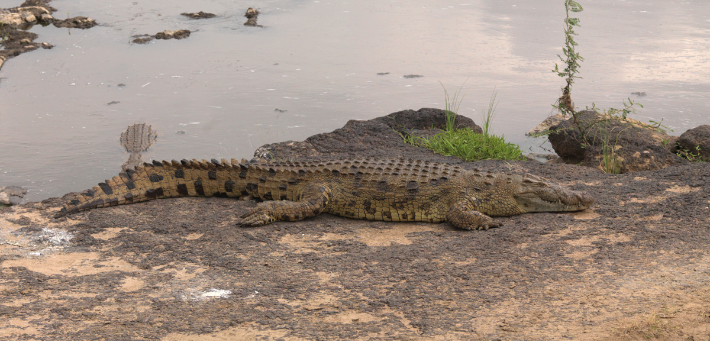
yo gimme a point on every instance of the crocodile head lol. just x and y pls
(536, 195)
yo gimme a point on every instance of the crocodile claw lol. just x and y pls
(488, 225)
(255, 218)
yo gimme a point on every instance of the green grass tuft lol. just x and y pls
(452, 106)
(469, 146)
(488, 117)
(464, 143)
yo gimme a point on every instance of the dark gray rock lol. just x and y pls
(697, 137)
(636, 147)
(377, 137)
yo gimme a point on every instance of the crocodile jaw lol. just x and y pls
(544, 197)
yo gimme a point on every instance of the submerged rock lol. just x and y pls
(15, 21)
(165, 35)
(251, 15)
(199, 15)
(142, 39)
(179, 34)
(76, 22)
(28, 15)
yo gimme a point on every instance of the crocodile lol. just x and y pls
(373, 189)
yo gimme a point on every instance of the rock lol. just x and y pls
(421, 133)
(142, 40)
(632, 158)
(541, 157)
(426, 118)
(15, 200)
(199, 15)
(12, 195)
(76, 22)
(179, 34)
(37, 11)
(635, 146)
(46, 46)
(251, 13)
(546, 124)
(4, 198)
(14, 191)
(16, 21)
(252, 16)
(28, 17)
(372, 138)
(11, 19)
(696, 141)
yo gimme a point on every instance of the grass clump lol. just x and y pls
(470, 146)
(465, 143)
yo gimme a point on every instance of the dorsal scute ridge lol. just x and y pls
(368, 169)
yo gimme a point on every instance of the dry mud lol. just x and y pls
(636, 266)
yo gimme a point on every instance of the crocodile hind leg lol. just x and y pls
(314, 199)
(464, 217)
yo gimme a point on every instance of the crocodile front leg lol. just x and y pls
(314, 199)
(463, 217)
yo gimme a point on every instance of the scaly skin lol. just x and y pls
(389, 190)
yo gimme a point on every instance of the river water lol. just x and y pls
(229, 88)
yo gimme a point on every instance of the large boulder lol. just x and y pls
(696, 141)
(629, 144)
(378, 137)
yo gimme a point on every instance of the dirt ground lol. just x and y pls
(636, 266)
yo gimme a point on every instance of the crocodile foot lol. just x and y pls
(465, 218)
(256, 217)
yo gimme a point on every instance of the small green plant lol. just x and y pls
(628, 109)
(571, 60)
(465, 143)
(659, 127)
(569, 71)
(610, 162)
(690, 155)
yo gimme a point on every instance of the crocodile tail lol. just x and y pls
(166, 179)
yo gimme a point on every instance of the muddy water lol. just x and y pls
(228, 89)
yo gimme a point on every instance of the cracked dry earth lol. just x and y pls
(636, 266)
